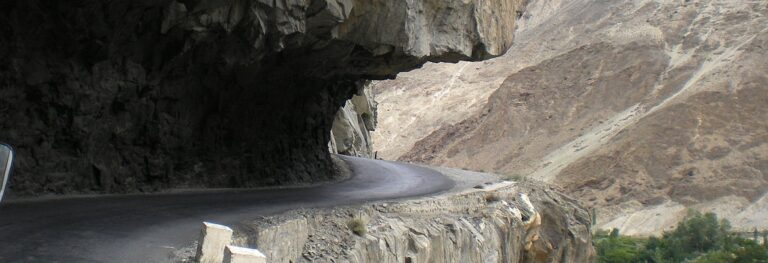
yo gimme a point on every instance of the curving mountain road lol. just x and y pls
(146, 228)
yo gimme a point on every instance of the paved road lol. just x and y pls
(146, 228)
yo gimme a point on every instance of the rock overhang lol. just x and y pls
(133, 96)
(346, 38)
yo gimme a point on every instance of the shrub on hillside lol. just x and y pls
(492, 198)
(357, 226)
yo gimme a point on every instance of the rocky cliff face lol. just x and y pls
(353, 124)
(503, 222)
(642, 109)
(127, 96)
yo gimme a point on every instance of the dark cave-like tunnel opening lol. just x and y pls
(143, 95)
(204, 130)
(98, 100)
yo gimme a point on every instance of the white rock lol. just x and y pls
(233, 254)
(213, 239)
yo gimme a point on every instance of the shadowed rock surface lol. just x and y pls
(128, 96)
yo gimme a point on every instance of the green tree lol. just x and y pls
(716, 257)
(749, 251)
(699, 238)
(694, 236)
(614, 248)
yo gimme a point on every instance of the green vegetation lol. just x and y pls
(357, 226)
(611, 247)
(700, 238)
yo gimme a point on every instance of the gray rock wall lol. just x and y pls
(353, 124)
(141, 95)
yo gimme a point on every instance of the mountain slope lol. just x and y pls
(641, 109)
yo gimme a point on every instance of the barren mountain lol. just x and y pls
(641, 109)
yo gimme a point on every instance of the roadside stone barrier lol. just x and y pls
(233, 254)
(215, 246)
(213, 239)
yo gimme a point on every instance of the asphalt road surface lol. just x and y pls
(147, 228)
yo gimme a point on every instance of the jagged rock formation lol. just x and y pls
(641, 109)
(353, 124)
(506, 222)
(126, 96)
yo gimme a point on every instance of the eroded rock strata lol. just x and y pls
(125, 96)
(503, 222)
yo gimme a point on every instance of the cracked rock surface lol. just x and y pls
(492, 222)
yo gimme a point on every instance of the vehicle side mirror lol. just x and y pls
(6, 162)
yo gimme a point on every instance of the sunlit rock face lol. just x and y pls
(640, 109)
(142, 95)
(353, 124)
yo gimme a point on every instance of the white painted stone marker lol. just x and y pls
(213, 239)
(233, 254)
